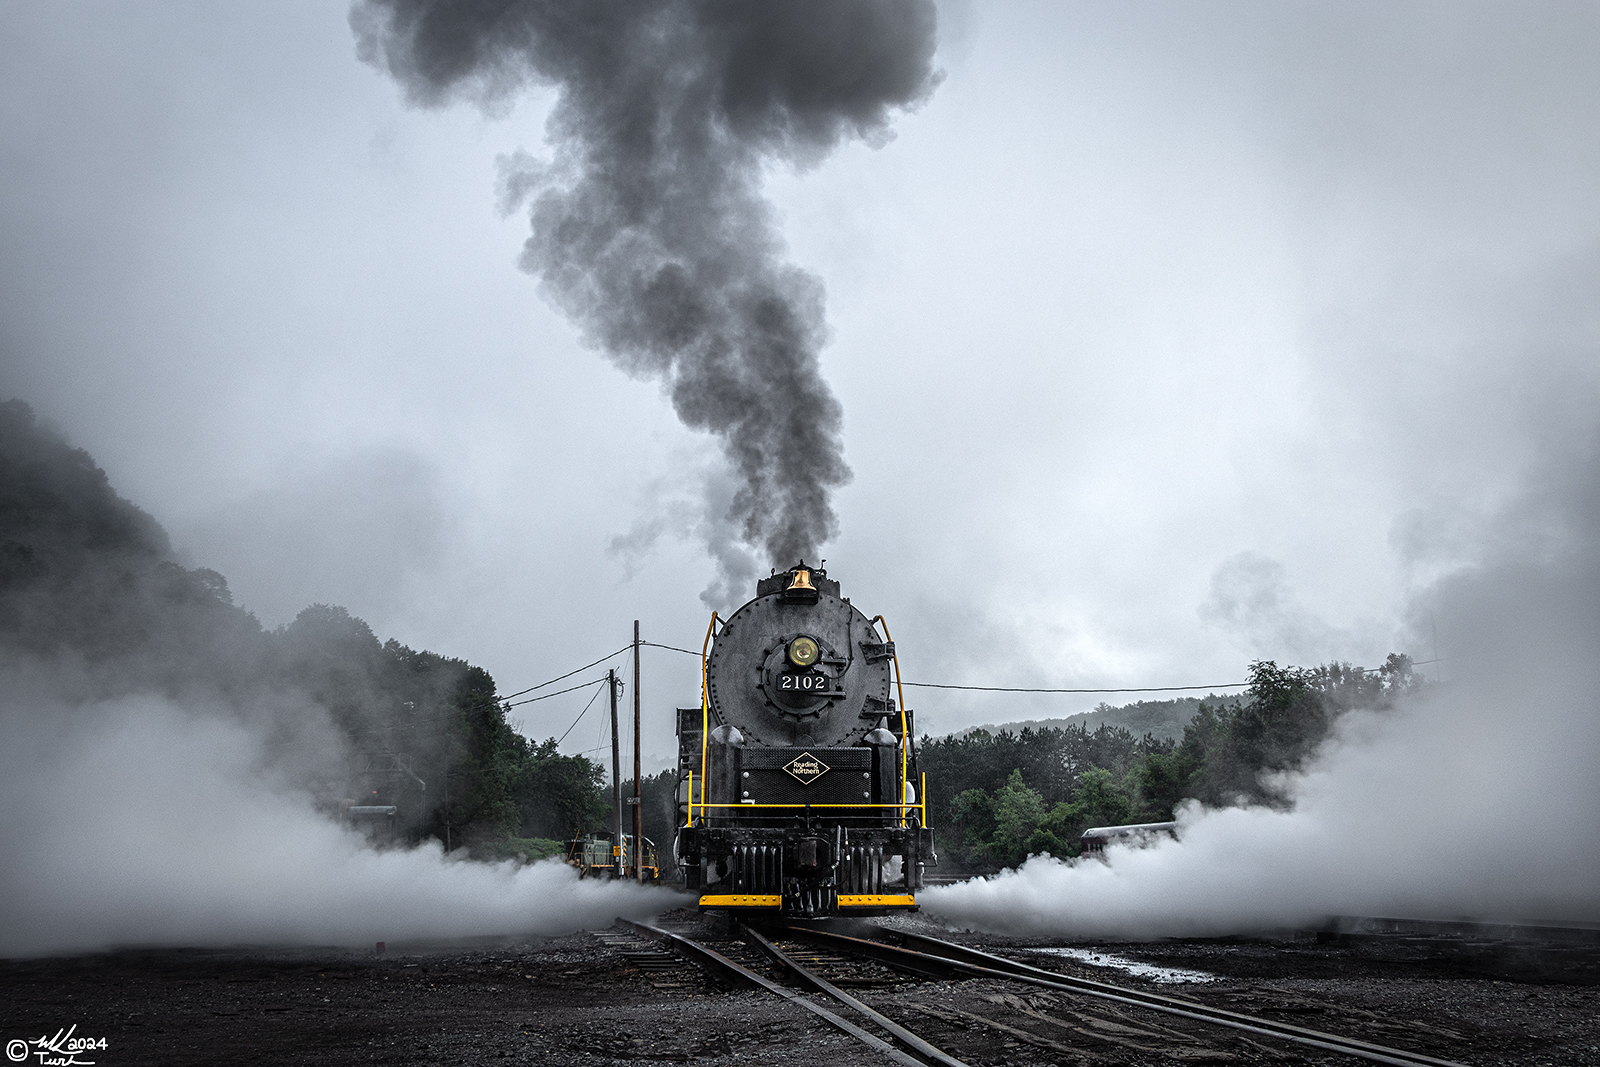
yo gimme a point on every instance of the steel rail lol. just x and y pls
(1378, 926)
(740, 976)
(1221, 1016)
(980, 964)
(929, 1053)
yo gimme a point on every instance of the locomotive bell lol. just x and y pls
(800, 590)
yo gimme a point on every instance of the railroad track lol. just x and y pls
(821, 961)
(934, 958)
(1373, 926)
(661, 969)
(919, 1053)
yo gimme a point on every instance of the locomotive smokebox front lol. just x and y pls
(799, 666)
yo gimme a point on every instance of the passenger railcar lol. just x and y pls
(1096, 838)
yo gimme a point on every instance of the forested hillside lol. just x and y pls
(1158, 718)
(90, 594)
(996, 798)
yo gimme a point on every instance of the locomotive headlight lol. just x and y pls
(803, 651)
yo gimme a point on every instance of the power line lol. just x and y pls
(558, 692)
(929, 685)
(569, 674)
(586, 666)
(1008, 689)
(581, 714)
(671, 648)
(1142, 689)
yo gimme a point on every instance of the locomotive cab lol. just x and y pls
(798, 789)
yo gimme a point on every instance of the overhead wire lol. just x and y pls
(1137, 689)
(570, 673)
(926, 685)
(670, 648)
(601, 728)
(558, 692)
(582, 713)
(1011, 689)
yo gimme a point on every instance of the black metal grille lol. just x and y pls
(757, 868)
(847, 780)
(861, 869)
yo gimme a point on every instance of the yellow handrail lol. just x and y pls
(905, 730)
(749, 807)
(690, 821)
(921, 804)
(705, 712)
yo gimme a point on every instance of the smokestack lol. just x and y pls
(648, 226)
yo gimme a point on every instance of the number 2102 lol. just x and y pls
(803, 682)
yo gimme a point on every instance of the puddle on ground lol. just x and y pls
(1160, 975)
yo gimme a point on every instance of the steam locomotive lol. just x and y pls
(798, 788)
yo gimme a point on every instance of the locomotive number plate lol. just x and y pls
(806, 768)
(810, 682)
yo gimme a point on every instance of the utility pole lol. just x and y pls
(638, 804)
(616, 766)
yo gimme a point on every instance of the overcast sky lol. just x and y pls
(1168, 337)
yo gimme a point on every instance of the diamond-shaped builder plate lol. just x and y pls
(806, 768)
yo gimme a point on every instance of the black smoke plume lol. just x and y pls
(649, 228)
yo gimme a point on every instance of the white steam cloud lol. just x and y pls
(1476, 801)
(142, 822)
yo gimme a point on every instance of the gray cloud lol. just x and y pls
(1393, 816)
(1141, 287)
(140, 821)
(348, 529)
(649, 228)
(1251, 598)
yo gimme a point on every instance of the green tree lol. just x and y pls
(1102, 800)
(482, 804)
(974, 828)
(1017, 811)
(557, 796)
(1159, 781)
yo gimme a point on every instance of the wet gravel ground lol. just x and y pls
(584, 1000)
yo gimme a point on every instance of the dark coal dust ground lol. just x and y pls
(598, 998)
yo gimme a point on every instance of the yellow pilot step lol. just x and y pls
(775, 900)
(742, 900)
(875, 900)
